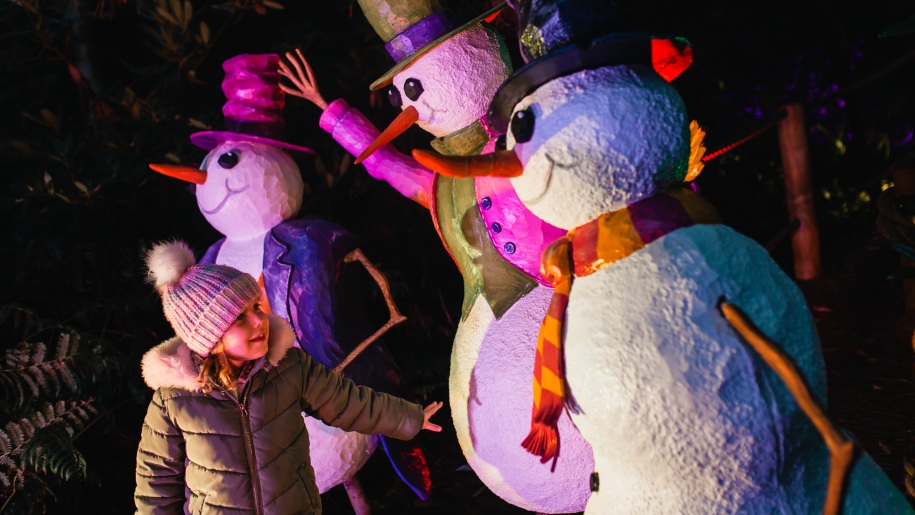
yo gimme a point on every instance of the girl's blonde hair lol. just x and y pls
(216, 367)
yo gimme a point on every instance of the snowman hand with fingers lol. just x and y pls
(303, 80)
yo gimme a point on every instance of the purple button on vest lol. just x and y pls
(518, 235)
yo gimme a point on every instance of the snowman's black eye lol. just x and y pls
(228, 160)
(500, 143)
(522, 125)
(394, 97)
(413, 88)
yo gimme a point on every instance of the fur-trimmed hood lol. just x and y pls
(170, 365)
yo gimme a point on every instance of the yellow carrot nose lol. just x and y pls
(185, 173)
(503, 163)
(404, 121)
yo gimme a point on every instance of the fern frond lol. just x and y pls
(43, 441)
(28, 374)
(38, 352)
(15, 433)
(5, 445)
(11, 473)
(67, 377)
(51, 450)
(28, 428)
(74, 344)
(30, 382)
(63, 346)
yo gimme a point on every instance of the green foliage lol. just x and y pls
(47, 393)
(25, 368)
(43, 442)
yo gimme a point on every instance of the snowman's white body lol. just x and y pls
(336, 455)
(244, 203)
(682, 415)
(491, 398)
(490, 383)
(675, 406)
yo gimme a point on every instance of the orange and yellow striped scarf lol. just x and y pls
(585, 250)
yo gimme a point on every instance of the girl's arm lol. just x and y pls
(160, 463)
(342, 403)
(354, 132)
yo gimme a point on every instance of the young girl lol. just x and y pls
(224, 431)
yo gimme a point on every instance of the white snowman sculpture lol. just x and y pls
(683, 415)
(250, 190)
(444, 79)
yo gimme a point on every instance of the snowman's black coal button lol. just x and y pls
(486, 203)
(509, 248)
(496, 227)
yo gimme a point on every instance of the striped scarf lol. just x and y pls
(585, 250)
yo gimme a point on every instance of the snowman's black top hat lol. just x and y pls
(561, 37)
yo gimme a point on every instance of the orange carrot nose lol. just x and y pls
(185, 173)
(404, 121)
(503, 163)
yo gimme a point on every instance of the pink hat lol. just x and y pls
(200, 301)
(253, 111)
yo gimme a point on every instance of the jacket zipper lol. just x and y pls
(249, 446)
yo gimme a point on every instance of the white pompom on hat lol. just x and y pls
(200, 301)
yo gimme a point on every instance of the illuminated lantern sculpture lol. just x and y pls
(444, 79)
(683, 415)
(250, 190)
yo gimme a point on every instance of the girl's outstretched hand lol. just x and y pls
(303, 79)
(428, 411)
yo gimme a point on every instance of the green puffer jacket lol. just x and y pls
(214, 453)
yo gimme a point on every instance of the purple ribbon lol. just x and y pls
(420, 34)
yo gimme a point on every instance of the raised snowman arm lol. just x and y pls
(354, 132)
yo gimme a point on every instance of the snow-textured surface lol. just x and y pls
(245, 201)
(336, 454)
(683, 417)
(491, 395)
(595, 147)
(459, 78)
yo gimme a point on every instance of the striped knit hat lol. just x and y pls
(200, 301)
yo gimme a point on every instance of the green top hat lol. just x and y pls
(410, 28)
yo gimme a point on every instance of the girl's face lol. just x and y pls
(246, 338)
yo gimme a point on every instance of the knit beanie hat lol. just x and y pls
(200, 301)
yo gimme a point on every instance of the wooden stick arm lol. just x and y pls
(841, 448)
(396, 316)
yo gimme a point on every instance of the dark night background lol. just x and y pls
(94, 90)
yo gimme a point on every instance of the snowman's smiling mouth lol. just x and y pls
(546, 180)
(432, 112)
(222, 203)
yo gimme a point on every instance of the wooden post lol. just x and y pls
(805, 243)
(904, 186)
